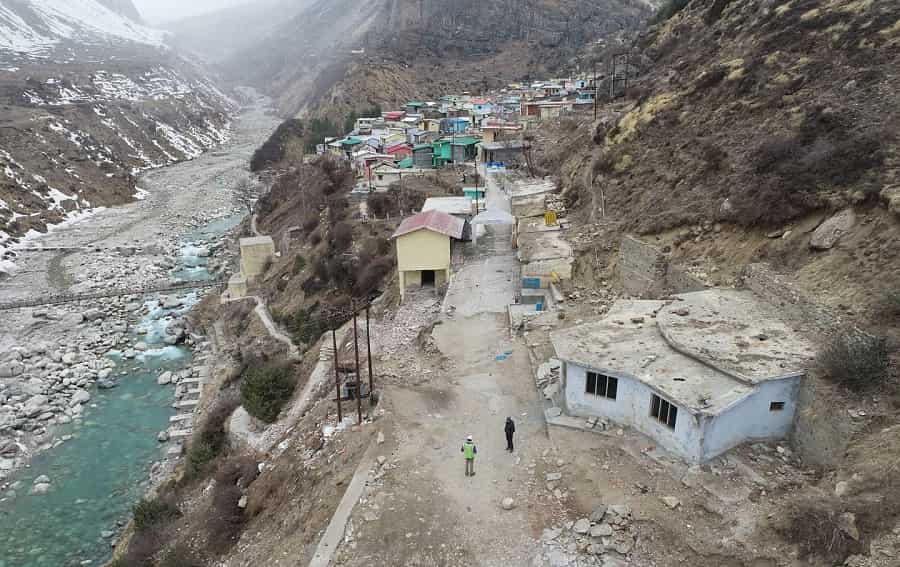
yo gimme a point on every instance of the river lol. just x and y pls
(99, 464)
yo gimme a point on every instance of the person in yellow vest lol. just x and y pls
(469, 450)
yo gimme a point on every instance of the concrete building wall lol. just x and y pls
(632, 408)
(792, 303)
(255, 255)
(423, 250)
(642, 268)
(752, 419)
(647, 272)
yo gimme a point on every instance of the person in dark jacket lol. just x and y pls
(510, 429)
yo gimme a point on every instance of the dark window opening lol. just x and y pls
(663, 411)
(776, 406)
(428, 278)
(601, 385)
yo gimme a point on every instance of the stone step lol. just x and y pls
(180, 433)
(196, 391)
(189, 381)
(174, 451)
(181, 417)
(185, 404)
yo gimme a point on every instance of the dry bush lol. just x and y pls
(710, 78)
(239, 470)
(568, 124)
(181, 556)
(342, 237)
(211, 440)
(226, 519)
(820, 527)
(269, 490)
(372, 276)
(855, 360)
(381, 204)
(888, 307)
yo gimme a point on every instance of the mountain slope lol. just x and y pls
(217, 36)
(90, 99)
(37, 27)
(315, 59)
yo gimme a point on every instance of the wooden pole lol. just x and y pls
(337, 377)
(358, 383)
(369, 351)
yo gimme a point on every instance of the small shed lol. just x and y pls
(424, 243)
(464, 149)
(256, 253)
(423, 155)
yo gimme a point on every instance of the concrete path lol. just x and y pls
(334, 534)
(263, 313)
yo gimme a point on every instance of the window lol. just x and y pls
(601, 385)
(776, 406)
(663, 411)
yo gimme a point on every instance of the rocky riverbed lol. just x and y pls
(57, 361)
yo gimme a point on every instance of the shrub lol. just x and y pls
(381, 204)
(265, 390)
(372, 276)
(710, 78)
(855, 360)
(226, 518)
(820, 528)
(180, 556)
(211, 439)
(151, 513)
(298, 265)
(343, 236)
(888, 307)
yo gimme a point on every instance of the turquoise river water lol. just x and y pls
(100, 473)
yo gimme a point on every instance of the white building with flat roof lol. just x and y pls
(700, 374)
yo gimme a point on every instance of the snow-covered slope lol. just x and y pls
(36, 27)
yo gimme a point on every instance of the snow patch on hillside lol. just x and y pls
(34, 27)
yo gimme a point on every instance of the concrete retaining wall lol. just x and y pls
(647, 272)
(791, 303)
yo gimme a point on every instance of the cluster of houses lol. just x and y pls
(454, 129)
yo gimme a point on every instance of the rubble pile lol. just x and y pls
(605, 539)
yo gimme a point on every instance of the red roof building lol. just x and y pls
(435, 221)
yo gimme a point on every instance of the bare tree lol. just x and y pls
(246, 194)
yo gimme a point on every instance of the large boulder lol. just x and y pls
(11, 369)
(80, 397)
(36, 405)
(830, 231)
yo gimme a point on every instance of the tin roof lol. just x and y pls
(435, 221)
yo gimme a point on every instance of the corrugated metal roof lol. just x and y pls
(435, 221)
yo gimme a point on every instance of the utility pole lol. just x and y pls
(369, 351)
(337, 376)
(358, 384)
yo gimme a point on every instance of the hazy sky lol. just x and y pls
(156, 11)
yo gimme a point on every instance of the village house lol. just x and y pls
(509, 151)
(383, 175)
(424, 243)
(700, 375)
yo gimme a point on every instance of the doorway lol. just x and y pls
(428, 278)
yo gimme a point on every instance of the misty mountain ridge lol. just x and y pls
(41, 28)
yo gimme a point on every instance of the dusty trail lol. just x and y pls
(427, 512)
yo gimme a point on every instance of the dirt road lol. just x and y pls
(427, 512)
